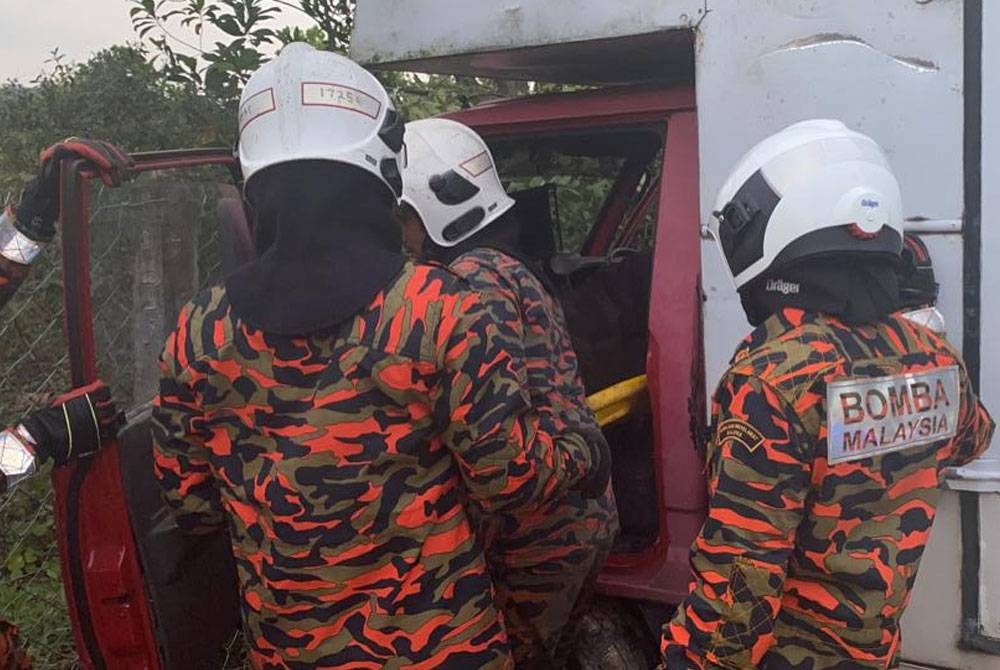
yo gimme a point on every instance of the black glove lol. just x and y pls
(596, 482)
(36, 213)
(76, 424)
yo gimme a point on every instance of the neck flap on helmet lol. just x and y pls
(505, 234)
(326, 242)
(857, 289)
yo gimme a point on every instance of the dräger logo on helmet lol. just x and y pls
(781, 286)
(870, 417)
(868, 202)
(326, 94)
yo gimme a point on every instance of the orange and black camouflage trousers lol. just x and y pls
(544, 589)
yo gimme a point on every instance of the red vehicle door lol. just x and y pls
(140, 593)
(617, 224)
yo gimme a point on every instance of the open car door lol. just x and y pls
(140, 593)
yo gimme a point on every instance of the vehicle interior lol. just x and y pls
(587, 207)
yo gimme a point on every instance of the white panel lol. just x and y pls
(990, 350)
(893, 70)
(931, 628)
(725, 322)
(946, 254)
(989, 588)
(989, 466)
(393, 30)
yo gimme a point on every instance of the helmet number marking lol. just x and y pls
(478, 164)
(327, 94)
(256, 106)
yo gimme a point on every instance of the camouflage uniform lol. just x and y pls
(546, 561)
(342, 461)
(804, 563)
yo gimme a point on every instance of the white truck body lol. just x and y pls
(907, 72)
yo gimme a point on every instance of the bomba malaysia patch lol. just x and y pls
(739, 431)
(873, 416)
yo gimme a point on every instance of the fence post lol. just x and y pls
(166, 276)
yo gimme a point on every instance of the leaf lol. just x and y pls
(229, 25)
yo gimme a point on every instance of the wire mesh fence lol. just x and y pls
(33, 371)
(153, 244)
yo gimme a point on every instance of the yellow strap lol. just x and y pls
(617, 401)
(69, 431)
(93, 415)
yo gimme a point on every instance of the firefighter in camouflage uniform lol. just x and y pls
(456, 211)
(342, 409)
(78, 422)
(832, 426)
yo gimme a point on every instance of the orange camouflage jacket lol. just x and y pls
(829, 447)
(342, 463)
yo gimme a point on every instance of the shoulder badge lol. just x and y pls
(739, 431)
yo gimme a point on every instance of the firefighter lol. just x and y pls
(918, 290)
(455, 211)
(338, 406)
(832, 425)
(78, 422)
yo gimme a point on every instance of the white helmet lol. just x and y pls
(815, 187)
(308, 104)
(450, 180)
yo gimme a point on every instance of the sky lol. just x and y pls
(30, 29)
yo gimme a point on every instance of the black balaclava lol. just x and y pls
(504, 235)
(326, 245)
(855, 288)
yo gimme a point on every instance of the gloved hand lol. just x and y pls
(76, 424)
(38, 209)
(596, 482)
